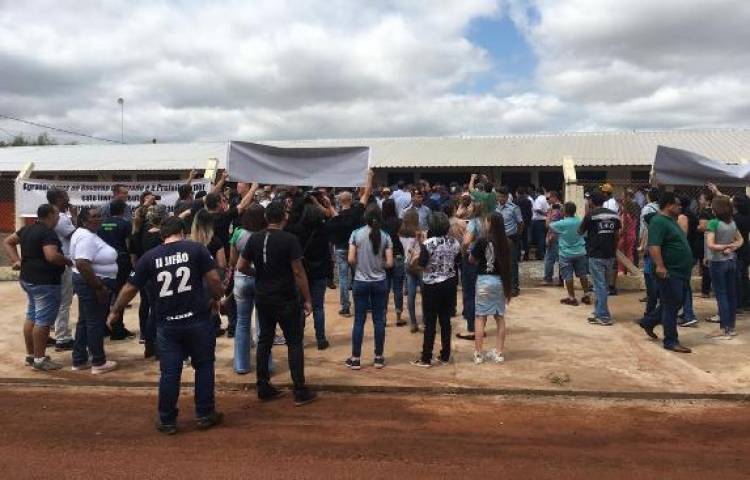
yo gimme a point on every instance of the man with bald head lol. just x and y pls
(340, 228)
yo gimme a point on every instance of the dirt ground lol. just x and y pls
(108, 433)
(549, 347)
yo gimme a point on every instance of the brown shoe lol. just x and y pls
(679, 349)
(586, 300)
(569, 301)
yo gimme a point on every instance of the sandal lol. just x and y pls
(569, 301)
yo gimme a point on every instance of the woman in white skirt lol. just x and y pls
(491, 253)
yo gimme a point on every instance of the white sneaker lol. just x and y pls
(495, 357)
(478, 358)
(107, 366)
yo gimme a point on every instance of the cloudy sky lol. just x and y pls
(280, 69)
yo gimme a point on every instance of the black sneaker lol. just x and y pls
(303, 397)
(220, 332)
(211, 420)
(269, 392)
(166, 428)
(421, 363)
(379, 362)
(344, 312)
(118, 336)
(331, 285)
(50, 342)
(230, 333)
(353, 363)
(323, 345)
(649, 331)
(64, 345)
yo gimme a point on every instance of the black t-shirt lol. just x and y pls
(223, 223)
(144, 241)
(315, 248)
(527, 209)
(601, 225)
(173, 273)
(35, 268)
(214, 246)
(271, 252)
(481, 250)
(115, 231)
(700, 242)
(692, 233)
(391, 227)
(341, 226)
(743, 226)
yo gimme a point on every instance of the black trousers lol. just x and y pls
(437, 305)
(289, 318)
(124, 267)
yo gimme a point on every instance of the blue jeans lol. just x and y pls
(413, 282)
(395, 282)
(318, 293)
(44, 303)
(179, 339)
(468, 291)
(671, 298)
(601, 272)
(368, 294)
(92, 321)
(550, 258)
(538, 236)
(515, 253)
(342, 263)
(244, 295)
(652, 289)
(743, 283)
(687, 308)
(724, 281)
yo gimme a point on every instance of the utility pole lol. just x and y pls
(121, 101)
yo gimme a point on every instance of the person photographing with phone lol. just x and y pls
(673, 263)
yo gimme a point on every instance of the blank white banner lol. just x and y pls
(324, 167)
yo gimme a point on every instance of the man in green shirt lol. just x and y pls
(673, 264)
(483, 193)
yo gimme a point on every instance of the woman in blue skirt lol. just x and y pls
(491, 254)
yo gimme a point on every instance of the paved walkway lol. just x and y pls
(549, 347)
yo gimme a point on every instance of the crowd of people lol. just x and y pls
(264, 258)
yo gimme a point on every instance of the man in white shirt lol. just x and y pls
(611, 204)
(64, 230)
(539, 225)
(402, 198)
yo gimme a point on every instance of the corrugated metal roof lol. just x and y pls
(631, 148)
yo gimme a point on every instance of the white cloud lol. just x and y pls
(272, 69)
(643, 64)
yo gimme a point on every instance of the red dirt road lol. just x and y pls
(108, 433)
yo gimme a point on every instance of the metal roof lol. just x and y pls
(631, 148)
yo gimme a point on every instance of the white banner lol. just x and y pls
(321, 167)
(32, 193)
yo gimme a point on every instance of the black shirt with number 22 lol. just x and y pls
(174, 274)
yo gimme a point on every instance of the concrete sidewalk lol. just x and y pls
(549, 347)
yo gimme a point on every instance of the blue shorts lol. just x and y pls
(44, 302)
(569, 265)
